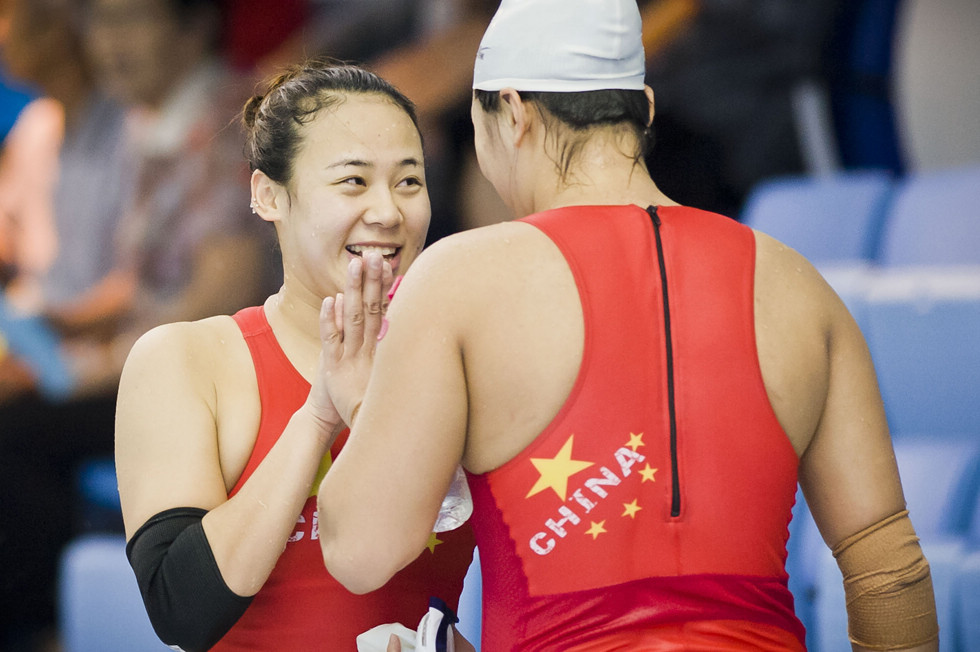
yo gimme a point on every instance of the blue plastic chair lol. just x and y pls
(828, 219)
(100, 608)
(934, 219)
(803, 551)
(967, 625)
(939, 477)
(967, 593)
(923, 331)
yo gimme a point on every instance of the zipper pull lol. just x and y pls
(652, 212)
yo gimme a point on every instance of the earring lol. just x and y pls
(252, 206)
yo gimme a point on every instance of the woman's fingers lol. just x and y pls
(355, 317)
(353, 308)
(331, 330)
(373, 295)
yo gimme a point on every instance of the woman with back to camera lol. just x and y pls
(634, 387)
(219, 440)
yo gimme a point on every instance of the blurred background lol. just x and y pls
(849, 129)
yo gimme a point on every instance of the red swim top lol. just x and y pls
(653, 512)
(301, 607)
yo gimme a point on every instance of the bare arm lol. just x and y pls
(849, 474)
(823, 387)
(380, 499)
(167, 452)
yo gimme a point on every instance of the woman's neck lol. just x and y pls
(600, 186)
(601, 174)
(295, 321)
(300, 308)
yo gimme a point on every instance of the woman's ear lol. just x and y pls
(517, 114)
(649, 93)
(269, 198)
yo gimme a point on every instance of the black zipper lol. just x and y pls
(675, 483)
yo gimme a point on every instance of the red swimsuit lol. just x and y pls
(301, 607)
(652, 513)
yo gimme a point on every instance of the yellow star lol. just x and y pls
(647, 473)
(631, 509)
(320, 472)
(556, 471)
(433, 542)
(596, 529)
(635, 441)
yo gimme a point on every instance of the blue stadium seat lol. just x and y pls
(934, 219)
(828, 219)
(803, 550)
(851, 282)
(939, 476)
(923, 330)
(100, 608)
(967, 624)
(967, 593)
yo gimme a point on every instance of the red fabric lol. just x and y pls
(577, 528)
(301, 607)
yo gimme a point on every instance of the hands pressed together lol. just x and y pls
(351, 323)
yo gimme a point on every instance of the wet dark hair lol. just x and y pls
(573, 114)
(292, 99)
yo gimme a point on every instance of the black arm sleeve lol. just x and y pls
(188, 602)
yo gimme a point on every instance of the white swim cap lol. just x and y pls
(562, 46)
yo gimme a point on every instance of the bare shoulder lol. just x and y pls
(202, 366)
(786, 274)
(198, 348)
(170, 451)
(464, 263)
(468, 247)
(796, 316)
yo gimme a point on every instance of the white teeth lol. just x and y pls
(360, 250)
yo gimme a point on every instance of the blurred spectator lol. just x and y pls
(65, 169)
(28, 160)
(28, 171)
(61, 195)
(186, 247)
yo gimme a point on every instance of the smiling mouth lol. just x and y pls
(360, 250)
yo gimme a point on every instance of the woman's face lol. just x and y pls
(133, 44)
(39, 41)
(358, 184)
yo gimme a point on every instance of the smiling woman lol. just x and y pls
(220, 442)
(334, 188)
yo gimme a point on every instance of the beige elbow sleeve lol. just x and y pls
(887, 585)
